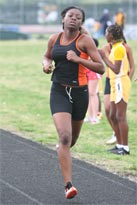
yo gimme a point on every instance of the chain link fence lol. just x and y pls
(44, 16)
(45, 12)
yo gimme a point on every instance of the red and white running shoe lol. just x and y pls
(70, 191)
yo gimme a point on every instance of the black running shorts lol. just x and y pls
(107, 87)
(70, 100)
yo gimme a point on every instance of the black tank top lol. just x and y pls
(67, 72)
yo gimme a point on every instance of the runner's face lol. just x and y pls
(73, 19)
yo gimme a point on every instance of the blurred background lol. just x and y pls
(24, 19)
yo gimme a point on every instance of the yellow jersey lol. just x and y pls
(118, 52)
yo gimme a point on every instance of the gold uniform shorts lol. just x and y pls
(120, 89)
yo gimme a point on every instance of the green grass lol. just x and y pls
(24, 102)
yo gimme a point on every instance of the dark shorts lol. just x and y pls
(107, 87)
(70, 100)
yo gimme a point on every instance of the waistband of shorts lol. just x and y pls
(70, 86)
(117, 77)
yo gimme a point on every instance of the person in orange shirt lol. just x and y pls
(120, 18)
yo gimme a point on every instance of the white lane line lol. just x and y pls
(21, 192)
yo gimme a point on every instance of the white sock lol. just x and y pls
(119, 146)
(126, 148)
